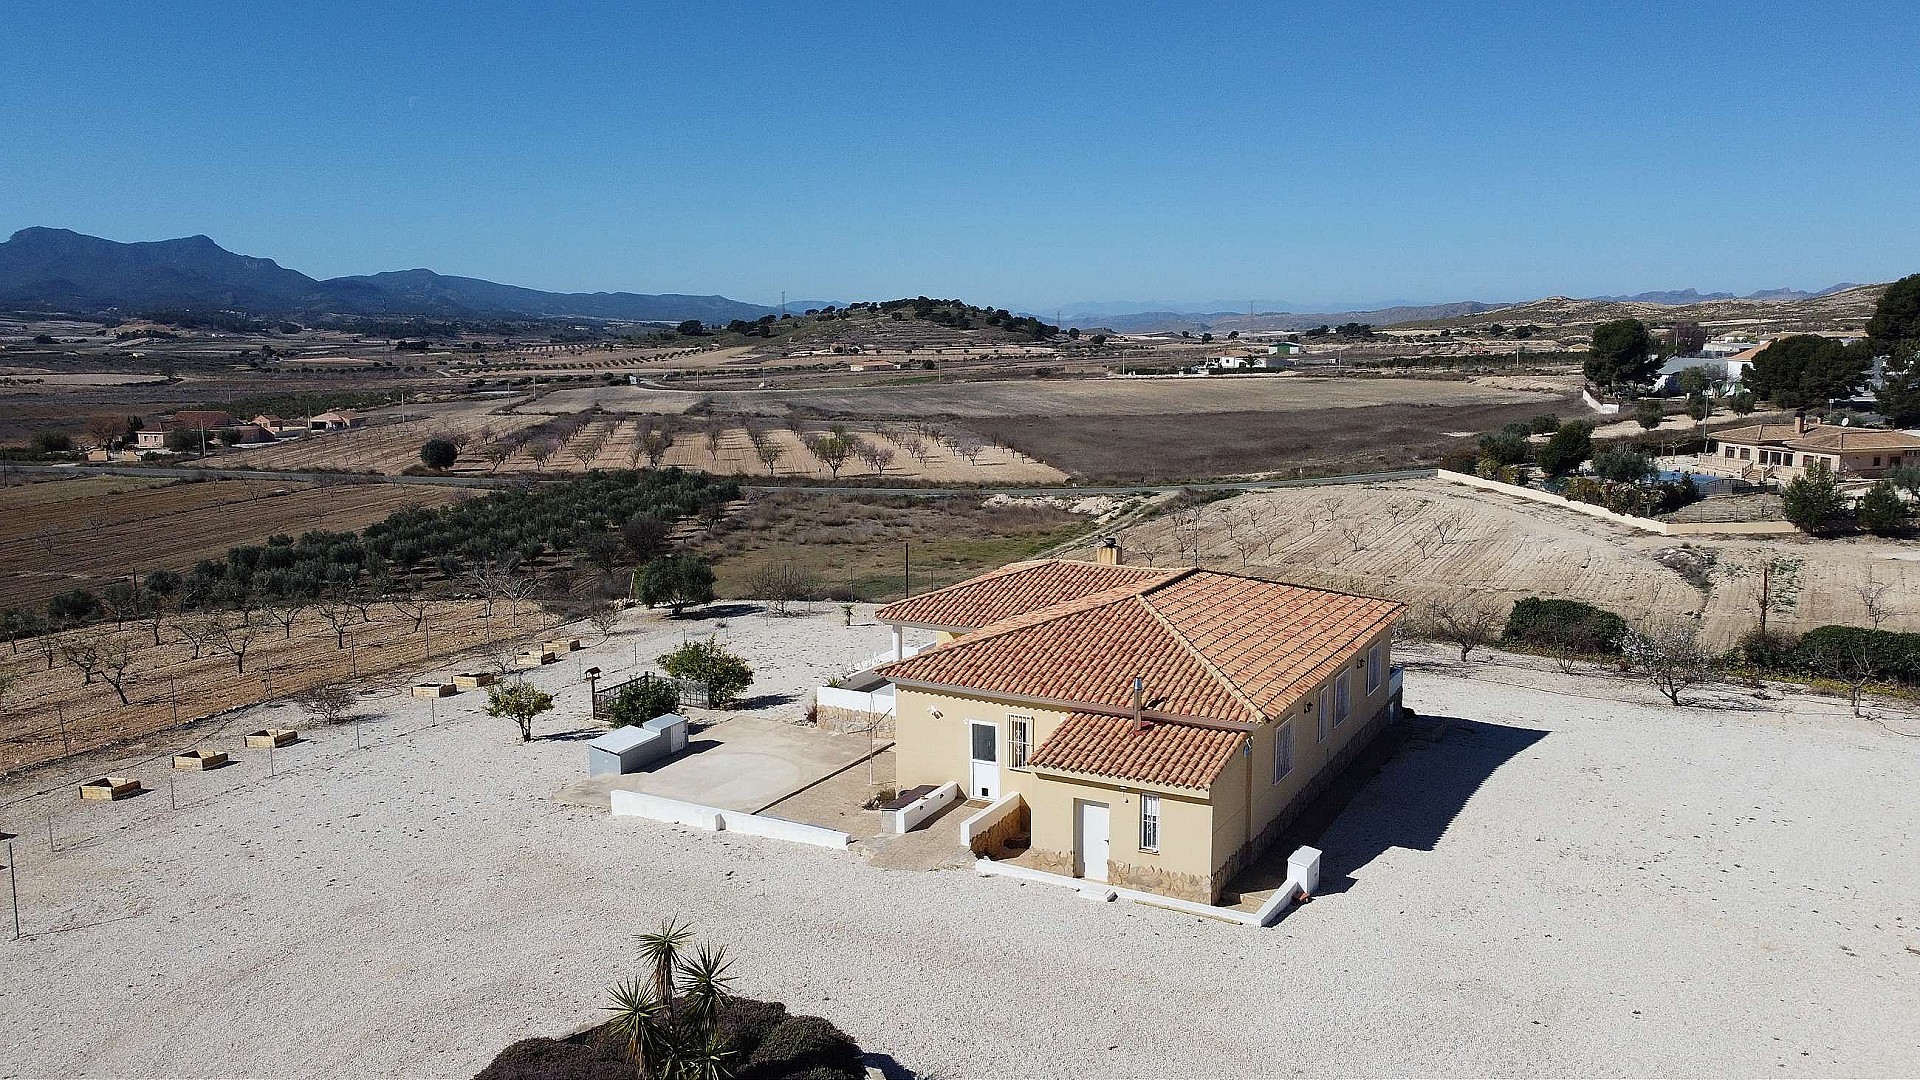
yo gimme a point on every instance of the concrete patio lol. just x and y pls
(744, 763)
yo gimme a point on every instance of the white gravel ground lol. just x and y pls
(1572, 881)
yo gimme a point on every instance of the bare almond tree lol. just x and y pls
(197, 630)
(769, 452)
(1875, 599)
(284, 613)
(235, 638)
(412, 606)
(1463, 621)
(327, 703)
(1848, 663)
(1671, 657)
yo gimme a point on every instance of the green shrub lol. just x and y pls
(643, 699)
(1881, 512)
(708, 664)
(1893, 655)
(678, 581)
(1768, 650)
(439, 453)
(1565, 624)
(52, 442)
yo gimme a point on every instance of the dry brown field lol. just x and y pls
(82, 533)
(51, 712)
(857, 545)
(1421, 539)
(1143, 397)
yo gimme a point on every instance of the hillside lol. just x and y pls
(60, 270)
(1847, 309)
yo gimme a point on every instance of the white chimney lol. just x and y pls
(1108, 553)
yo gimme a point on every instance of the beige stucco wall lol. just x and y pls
(1204, 835)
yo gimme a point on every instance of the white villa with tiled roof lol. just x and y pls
(1783, 451)
(1158, 728)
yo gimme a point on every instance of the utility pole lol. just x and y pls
(906, 547)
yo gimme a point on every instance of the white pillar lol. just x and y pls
(899, 642)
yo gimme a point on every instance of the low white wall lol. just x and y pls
(878, 702)
(672, 811)
(713, 819)
(782, 829)
(995, 812)
(1268, 913)
(908, 817)
(1606, 408)
(1663, 528)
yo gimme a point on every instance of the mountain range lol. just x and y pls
(1681, 297)
(58, 269)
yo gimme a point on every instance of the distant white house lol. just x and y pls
(1272, 362)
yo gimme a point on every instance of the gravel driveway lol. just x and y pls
(1570, 880)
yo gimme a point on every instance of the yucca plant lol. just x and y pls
(703, 986)
(661, 950)
(640, 1017)
(705, 1060)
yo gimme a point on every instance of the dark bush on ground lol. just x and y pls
(1565, 624)
(764, 1042)
(1771, 650)
(1894, 656)
(642, 700)
(804, 1047)
(439, 454)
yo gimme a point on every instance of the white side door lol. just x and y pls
(1091, 828)
(983, 766)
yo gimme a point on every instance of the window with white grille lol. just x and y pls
(1283, 752)
(1322, 715)
(1020, 739)
(1342, 700)
(1149, 823)
(1373, 669)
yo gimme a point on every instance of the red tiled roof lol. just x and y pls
(1014, 589)
(1204, 644)
(1835, 438)
(1157, 752)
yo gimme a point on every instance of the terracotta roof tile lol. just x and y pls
(1015, 589)
(1205, 644)
(1157, 752)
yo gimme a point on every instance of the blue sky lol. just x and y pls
(1021, 155)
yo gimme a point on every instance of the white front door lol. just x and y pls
(1092, 839)
(983, 768)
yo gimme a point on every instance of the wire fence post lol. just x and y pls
(13, 888)
(49, 830)
(270, 742)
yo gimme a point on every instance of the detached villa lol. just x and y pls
(1157, 728)
(1785, 451)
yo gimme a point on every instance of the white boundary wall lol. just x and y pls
(908, 817)
(879, 702)
(1303, 876)
(713, 819)
(1663, 528)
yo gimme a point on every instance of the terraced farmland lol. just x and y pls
(68, 534)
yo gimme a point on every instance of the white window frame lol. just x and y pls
(1149, 822)
(1019, 740)
(1342, 699)
(1373, 670)
(1322, 715)
(1283, 751)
